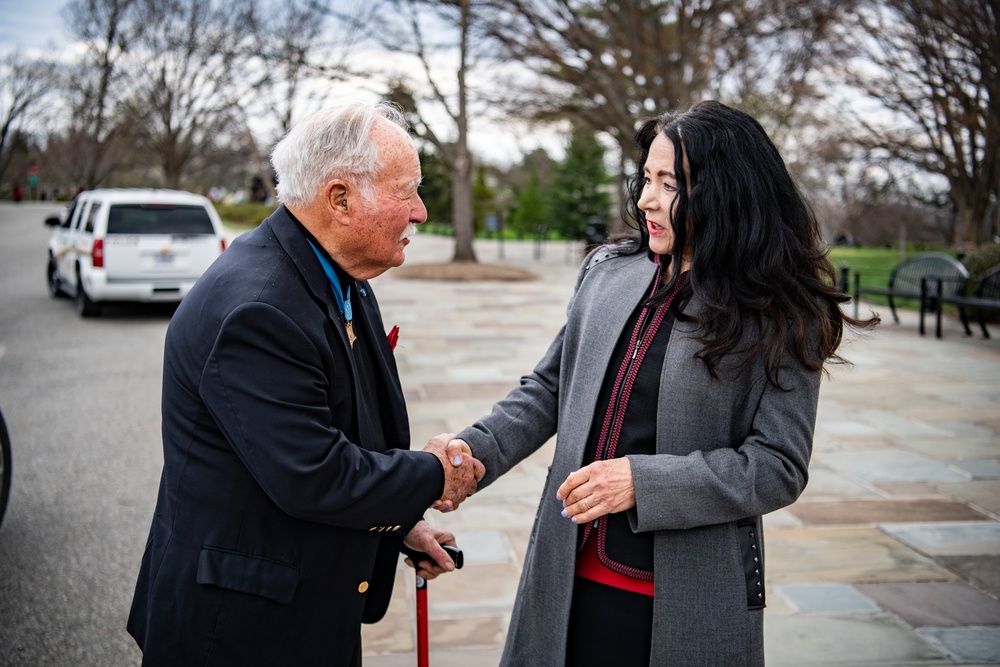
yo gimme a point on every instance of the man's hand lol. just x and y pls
(428, 539)
(462, 472)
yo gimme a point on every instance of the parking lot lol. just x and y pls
(81, 399)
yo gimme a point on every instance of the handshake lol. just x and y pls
(462, 471)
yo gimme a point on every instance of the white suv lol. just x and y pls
(131, 245)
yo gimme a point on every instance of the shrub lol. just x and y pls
(244, 215)
(978, 260)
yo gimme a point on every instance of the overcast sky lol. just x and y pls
(31, 24)
(36, 28)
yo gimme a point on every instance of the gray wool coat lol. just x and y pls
(728, 450)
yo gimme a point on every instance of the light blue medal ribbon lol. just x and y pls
(343, 300)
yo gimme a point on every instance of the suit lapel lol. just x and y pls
(394, 417)
(296, 246)
(395, 420)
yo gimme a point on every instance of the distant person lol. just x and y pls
(683, 391)
(287, 488)
(17, 194)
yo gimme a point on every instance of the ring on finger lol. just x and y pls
(586, 504)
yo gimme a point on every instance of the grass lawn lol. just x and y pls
(874, 262)
(874, 265)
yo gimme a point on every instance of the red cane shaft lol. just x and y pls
(423, 655)
(416, 557)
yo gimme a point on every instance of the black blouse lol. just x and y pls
(619, 548)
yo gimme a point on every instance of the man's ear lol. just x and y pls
(336, 199)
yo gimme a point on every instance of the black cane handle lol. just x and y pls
(416, 556)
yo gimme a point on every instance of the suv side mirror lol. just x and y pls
(52, 221)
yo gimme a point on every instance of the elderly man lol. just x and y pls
(287, 485)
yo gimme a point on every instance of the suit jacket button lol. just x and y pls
(363, 586)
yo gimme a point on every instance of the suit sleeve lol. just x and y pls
(266, 388)
(765, 472)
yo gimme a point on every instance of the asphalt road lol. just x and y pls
(81, 400)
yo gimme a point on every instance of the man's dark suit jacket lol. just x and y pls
(278, 521)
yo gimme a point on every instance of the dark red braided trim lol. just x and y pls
(619, 378)
(613, 565)
(647, 340)
(631, 367)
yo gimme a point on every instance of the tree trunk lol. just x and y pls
(461, 187)
(970, 215)
(461, 169)
(967, 229)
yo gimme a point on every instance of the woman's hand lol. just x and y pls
(603, 487)
(428, 539)
(454, 454)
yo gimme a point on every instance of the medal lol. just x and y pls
(350, 332)
(343, 298)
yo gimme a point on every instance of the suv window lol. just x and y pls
(89, 227)
(85, 210)
(74, 214)
(158, 219)
(69, 214)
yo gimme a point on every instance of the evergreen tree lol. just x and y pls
(531, 210)
(435, 189)
(580, 194)
(483, 198)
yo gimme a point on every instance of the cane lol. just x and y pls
(423, 651)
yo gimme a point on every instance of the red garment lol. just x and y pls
(589, 566)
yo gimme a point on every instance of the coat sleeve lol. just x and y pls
(522, 422)
(525, 420)
(764, 472)
(266, 388)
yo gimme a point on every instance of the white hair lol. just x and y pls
(332, 143)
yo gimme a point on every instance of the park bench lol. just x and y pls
(985, 299)
(912, 279)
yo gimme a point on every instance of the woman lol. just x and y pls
(683, 388)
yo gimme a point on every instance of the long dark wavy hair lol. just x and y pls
(759, 265)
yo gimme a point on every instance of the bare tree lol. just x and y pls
(188, 65)
(24, 84)
(302, 46)
(770, 60)
(609, 63)
(447, 92)
(298, 48)
(107, 29)
(933, 64)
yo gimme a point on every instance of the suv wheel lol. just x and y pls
(4, 467)
(84, 306)
(52, 278)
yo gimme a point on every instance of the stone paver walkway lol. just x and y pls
(890, 557)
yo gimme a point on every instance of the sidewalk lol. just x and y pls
(891, 557)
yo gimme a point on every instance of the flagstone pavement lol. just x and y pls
(890, 557)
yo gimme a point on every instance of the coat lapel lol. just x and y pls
(295, 244)
(609, 298)
(394, 416)
(297, 247)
